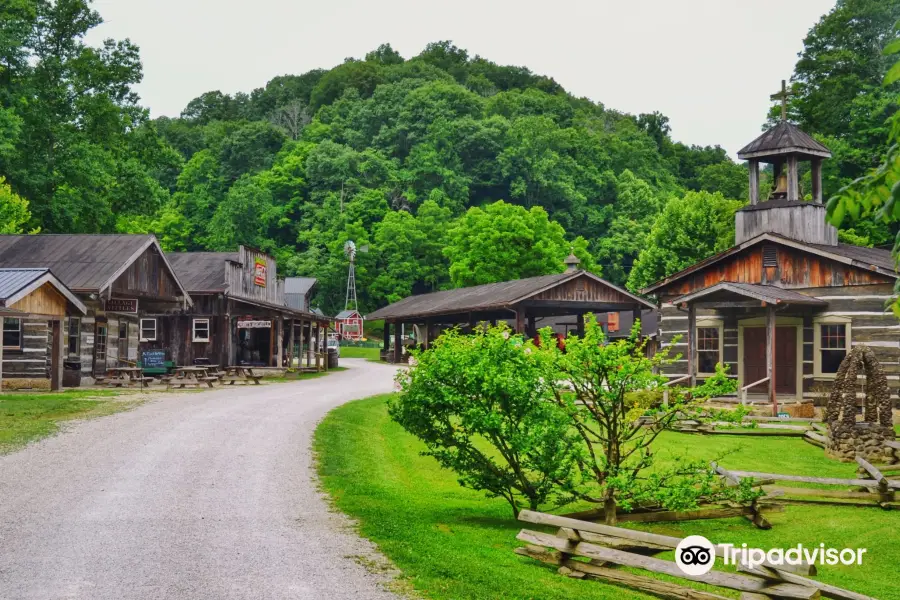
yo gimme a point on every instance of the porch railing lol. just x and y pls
(747, 387)
(671, 383)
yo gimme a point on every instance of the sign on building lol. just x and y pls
(254, 324)
(259, 272)
(122, 305)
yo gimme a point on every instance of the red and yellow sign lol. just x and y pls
(259, 272)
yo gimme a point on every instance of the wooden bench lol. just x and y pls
(245, 380)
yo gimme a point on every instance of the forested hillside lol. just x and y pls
(408, 157)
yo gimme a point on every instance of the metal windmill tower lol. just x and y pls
(350, 252)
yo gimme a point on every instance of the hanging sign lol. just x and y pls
(259, 272)
(254, 324)
(122, 305)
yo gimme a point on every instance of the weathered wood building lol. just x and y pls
(523, 302)
(783, 306)
(34, 305)
(239, 315)
(119, 278)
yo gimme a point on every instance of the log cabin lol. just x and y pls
(784, 305)
(119, 279)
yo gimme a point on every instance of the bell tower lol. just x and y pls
(785, 146)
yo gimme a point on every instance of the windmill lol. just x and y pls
(349, 320)
(350, 253)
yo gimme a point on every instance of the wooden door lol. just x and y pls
(785, 359)
(56, 351)
(100, 339)
(122, 344)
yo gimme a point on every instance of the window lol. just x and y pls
(74, 344)
(123, 330)
(148, 330)
(201, 330)
(832, 342)
(12, 333)
(100, 343)
(709, 345)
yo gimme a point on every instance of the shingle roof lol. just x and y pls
(763, 293)
(484, 297)
(876, 257)
(83, 262)
(201, 271)
(345, 314)
(781, 139)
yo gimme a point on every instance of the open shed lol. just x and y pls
(523, 301)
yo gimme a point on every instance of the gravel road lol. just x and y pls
(194, 496)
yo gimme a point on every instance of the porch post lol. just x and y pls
(398, 342)
(753, 164)
(530, 328)
(291, 345)
(386, 342)
(520, 319)
(579, 320)
(280, 362)
(770, 356)
(692, 343)
(56, 361)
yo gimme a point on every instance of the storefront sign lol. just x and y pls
(259, 272)
(254, 324)
(153, 359)
(122, 305)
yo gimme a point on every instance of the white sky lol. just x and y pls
(709, 65)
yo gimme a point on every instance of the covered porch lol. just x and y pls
(759, 332)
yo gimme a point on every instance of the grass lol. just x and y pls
(28, 417)
(453, 543)
(358, 352)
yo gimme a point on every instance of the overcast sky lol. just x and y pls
(709, 65)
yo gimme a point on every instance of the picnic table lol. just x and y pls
(124, 376)
(240, 373)
(191, 376)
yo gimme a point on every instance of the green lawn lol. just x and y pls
(357, 352)
(453, 543)
(28, 417)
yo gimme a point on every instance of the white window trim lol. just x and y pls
(141, 332)
(709, 322)
(21, 333)
(194, 331)
(77, 336)
(817, 342)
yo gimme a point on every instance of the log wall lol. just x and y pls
(584, 289)
(29, 367)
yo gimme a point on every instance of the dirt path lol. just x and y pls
(196, 496)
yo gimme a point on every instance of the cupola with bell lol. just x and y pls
(785, 146)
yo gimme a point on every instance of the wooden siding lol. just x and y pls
(795, 270)
(32, 361)
(175, 334)
(148, 276)
(583, 289)
(43, 301)
(804, 221)
(240, 278)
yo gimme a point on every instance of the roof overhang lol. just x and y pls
(758, 294)
(59, 286)
(768, 237)
(783, 152)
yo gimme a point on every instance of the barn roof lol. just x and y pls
(870, 259)
(15, 284)
(783, 138)
(83, 262)
(486, 297)
(201, 271)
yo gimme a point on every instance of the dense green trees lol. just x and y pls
(407, 157)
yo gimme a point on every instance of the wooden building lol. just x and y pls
(239, 315)
(783, 306)
(523, 301)
(34, 305)
(119, 278)
(349, 325)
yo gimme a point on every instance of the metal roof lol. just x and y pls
(344, 314)
(299, 285)
(486, 297)
(783, 138)
(871, 259)
(83, 262)
(764, 293)
(15, 284)
(201, 271)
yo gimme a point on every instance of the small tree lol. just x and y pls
(485, 410)
(604, 399)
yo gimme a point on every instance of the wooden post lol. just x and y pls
(531, 332)
(291, 345)
(229, 337)
(280, 342)
(56, 362)
(317, 345)
(398, 342)
(692, 343)
(386, 343)
(1, 355)
(817, 180)
(770, 356)
(793, 192)
(753, 164)
(426, 342)
(520, 320)
(579, 320)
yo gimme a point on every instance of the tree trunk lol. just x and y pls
(609, 509)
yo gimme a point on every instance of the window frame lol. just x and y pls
(818, 322)
(709, 323)
(141, 329)
(194, 337)
(77, 322)
(21, 334)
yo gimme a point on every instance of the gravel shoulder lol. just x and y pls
(193, 496)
